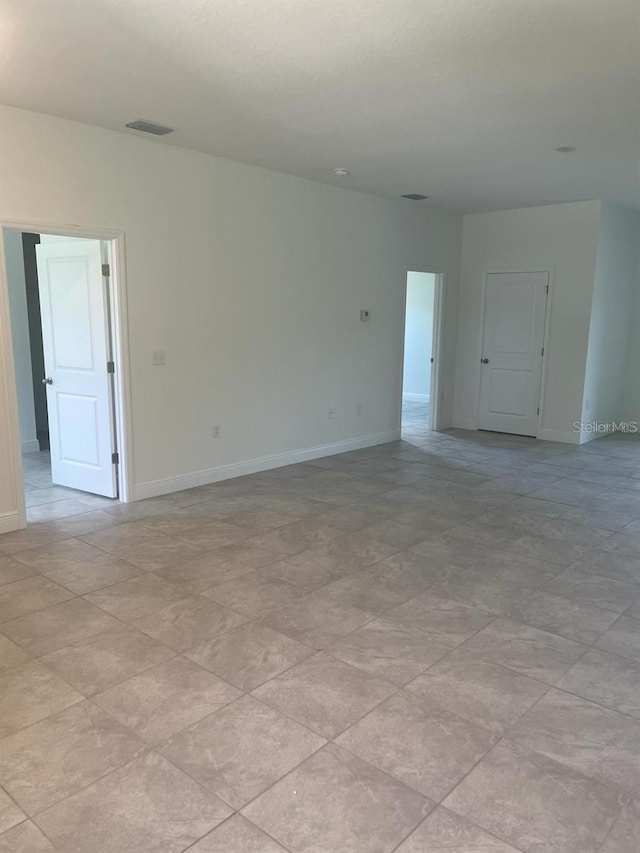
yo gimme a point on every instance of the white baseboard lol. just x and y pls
(9, 521)
(30, 446)
(415, 398)
(584, 437)
(464, 423)
(155, 488)
(565, 436)
(592, 435)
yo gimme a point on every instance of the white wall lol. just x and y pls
(631, 403)
(251, 280)
(20, 340)
(611, 316)
(418, 331)
(562, 238)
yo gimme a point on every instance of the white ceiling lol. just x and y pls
(462, 100)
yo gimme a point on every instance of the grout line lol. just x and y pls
(330, 507)
(464, 819)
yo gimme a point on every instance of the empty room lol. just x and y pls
(319, 426)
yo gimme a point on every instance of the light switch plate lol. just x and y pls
(158, 358)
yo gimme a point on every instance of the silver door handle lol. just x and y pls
(47, 381)
(484, 360)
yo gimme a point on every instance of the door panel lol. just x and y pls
(513, 336)
(73, 304)
(71, 327)
(80, 444)
(508, 392)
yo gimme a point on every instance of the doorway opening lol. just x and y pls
(421, 343)
(68, 380)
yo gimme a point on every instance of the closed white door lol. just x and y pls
(511, 363)
(75, 334)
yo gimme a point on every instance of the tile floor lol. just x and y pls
(431, 645)
(415, 418)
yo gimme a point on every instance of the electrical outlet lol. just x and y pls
(216, 431)
(332, 412)
(158, 358)
(359, 409)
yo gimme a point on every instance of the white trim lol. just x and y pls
(565, 436)
(561, 435)
(415, 398)
(435, 421)
(440, 274)
(590, 435)
(30, 446)
(122, 376)
(117, 281)
(154, 488)
(9, 522)
(545, 355)
(16, 518)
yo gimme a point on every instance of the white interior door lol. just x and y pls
(511, 363)
(75, 333)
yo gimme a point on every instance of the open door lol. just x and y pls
(75, 333)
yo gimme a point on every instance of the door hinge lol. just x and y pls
(546, 287)
(542, 351)
(111, 367)
(106, 270)
(538, 412)
(115, 458)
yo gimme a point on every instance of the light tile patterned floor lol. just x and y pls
(415, 417)
(424, 646)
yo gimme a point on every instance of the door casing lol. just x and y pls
(120, 342)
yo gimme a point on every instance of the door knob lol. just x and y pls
(47, 381)
(484, 360)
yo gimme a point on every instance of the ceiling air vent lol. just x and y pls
(149, 127)
(415, 196)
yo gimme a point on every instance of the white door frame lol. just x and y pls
(550, 270)
(120, 343)
(436, 341)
